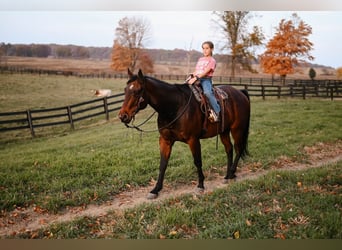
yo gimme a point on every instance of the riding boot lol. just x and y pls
(213, 117)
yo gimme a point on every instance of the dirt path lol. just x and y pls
(30, 219)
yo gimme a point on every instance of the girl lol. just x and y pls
(204, 70)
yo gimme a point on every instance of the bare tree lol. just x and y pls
(131, 35)
(238, 39)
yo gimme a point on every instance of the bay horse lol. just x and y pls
(180, 118)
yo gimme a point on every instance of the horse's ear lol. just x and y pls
(130, 74)
(140, 75)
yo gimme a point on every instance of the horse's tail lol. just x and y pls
(245, 92)
(245, 133)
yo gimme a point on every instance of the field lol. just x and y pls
(94, 66)
(91, 165)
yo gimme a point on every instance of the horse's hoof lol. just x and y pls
(199, 190)
(226, 181)
(152, 196)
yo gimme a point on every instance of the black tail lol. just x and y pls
(245, 92)
(244, 145)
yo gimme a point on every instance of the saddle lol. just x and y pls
(221, 97)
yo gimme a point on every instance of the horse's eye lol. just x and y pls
(137, 92)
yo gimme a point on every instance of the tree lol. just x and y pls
(312, 74)
(339, 72)
(41, 50)
(131, 36)
(80, 52)
(63, 51)
(145, 62)
(288, 47)
(121, 59)
(238, 40)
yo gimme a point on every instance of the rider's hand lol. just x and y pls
(192, 80)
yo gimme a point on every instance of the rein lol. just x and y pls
(137, 127)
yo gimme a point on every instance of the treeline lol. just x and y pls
(173, 57)
(103, 53)
(55, 51)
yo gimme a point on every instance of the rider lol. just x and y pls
(204, 72)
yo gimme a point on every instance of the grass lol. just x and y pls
(273, 206)
(90, 165)
(289, 124)
(26, 91)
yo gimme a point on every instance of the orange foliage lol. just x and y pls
(128, 48)
(120, 58)
(339, 72)
(287, 48)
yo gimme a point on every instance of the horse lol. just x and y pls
(180, 118)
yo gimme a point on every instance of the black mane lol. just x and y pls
(183, 87)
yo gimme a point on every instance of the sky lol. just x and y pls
(169, 29)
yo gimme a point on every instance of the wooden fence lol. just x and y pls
(332, 91)
(169, 77)
(32, 119)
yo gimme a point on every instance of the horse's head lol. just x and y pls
(135, 97)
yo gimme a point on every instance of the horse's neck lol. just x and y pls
(162, 96)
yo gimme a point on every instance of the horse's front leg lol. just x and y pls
(195, 147)
(165, 152)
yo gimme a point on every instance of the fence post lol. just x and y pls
(332, 93)
(71, 121)
(304, 91)
(279, 91)
(29, 120)
(105, 105)
(316, 89)
(263, 92)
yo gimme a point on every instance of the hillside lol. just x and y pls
(97, 60)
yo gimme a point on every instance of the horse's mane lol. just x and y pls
(183, 87)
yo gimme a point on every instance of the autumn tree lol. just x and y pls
(339, 72)
(288, 48)
(128, 49)
(238, 40)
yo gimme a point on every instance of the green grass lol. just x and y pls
(284, 126)
(90, 164)
(273, 206)
(26, 91)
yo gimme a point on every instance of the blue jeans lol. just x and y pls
(207, 87)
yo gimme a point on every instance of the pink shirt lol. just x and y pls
(205, 63)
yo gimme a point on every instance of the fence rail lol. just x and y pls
(32, 119)
(166, 77)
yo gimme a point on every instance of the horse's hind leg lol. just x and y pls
(225, 139)
(239, 148)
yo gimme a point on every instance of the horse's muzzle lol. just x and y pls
(124, 117)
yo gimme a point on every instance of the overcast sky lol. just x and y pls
(69, 22)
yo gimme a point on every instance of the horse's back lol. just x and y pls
(236, 95)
